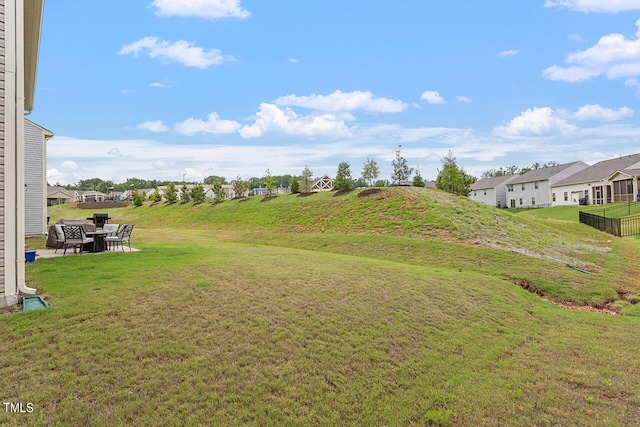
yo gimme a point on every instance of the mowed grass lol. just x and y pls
(239, 322)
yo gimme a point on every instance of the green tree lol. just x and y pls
(343, 179)
(295, 185)
(240, 186)
(137, 200)
(381, 183)
(451, 178)
(371, 171)
(212, 178)
(171, 194)
(197, 194)
(156, 196)
(417, 179)
(269, 183)
(216, 186)
(185, 194)
(401, 172)
(307, 179)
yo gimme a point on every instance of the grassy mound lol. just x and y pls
(394, 309)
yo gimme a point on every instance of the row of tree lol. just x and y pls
(451, 178)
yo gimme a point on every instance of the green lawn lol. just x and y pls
(245, 319)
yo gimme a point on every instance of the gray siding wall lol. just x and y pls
(34, 179)
(2, 142)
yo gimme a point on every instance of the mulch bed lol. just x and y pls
(342, 192)
(267, 198)
(368, 192)
(102, 205)
(307, 193)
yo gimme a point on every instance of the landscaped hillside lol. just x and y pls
(398, 309)
(422, 226)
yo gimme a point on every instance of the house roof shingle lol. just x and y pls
(542, 174)
(601, 170)
(492, 182)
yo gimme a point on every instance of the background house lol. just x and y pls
(603, 182)
(534, 187)
(492, 191)
(324, 183)
(35, 178)
(20, 26)
(58, 196)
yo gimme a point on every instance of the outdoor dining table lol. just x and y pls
(99, 243)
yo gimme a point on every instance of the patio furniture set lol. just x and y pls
(83, 236)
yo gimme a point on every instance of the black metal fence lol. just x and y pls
(617, 210)
(621, 227)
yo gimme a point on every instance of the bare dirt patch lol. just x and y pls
(342, 192)
(368, 192)
(307, 193)
(571, 305)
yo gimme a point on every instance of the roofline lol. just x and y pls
(32, 17)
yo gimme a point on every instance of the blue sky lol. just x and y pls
(166, 88)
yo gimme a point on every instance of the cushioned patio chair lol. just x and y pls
(74, 237)
(123, 237)
(59, 236)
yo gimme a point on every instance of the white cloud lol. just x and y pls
(292, 60)
(535, 122)
(181, 51)
(127, 91)
(158, 84)
(70, 165)
(153, 126)
(192, 175)
(213, 125)
(598, 6)
(510, 52)
(463, 98)
(613, 56)
(54, 176)
(432, 97)
(163, 164)
(344, 101)
(207, 9)
(272, 118)
(598, 113)
(576, 38)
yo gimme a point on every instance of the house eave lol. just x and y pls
(33, 11)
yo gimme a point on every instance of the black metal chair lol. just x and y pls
(123, 236)
(74, 237)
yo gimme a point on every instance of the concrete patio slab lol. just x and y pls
(51, 253)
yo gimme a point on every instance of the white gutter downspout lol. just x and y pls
(14, 167)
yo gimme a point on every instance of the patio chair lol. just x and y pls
(59, 236)
(123, 236)
(74, 237)
(112, 231)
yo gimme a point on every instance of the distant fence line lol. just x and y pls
(621, 227)
(618, 210)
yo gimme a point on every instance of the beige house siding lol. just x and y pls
(2, 142)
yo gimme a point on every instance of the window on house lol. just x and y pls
(485, 192)
(586, 193)
(523, 185)
(474, 193)
(509, 187)
(512, 202)
(566, 196)
(536, 185)
(520, 201)
(533, 201)
(553, 197)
